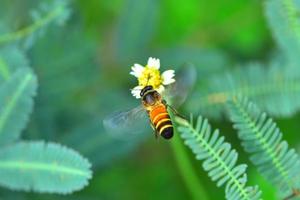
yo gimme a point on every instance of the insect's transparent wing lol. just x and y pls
(177, 92)
(127, 123)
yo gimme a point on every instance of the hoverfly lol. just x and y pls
(154, 106)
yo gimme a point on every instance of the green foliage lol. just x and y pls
(67, 65)
(187, 17)
(16, 100)
(188, 173)
(283, 18)
(11, 58)
(220, 160)
(32, 166)
(42, 167)
(135, 29)
(217, 60)
(83, 77)
(52, 12)
(262, 139)
(91, 138)
(270, 87)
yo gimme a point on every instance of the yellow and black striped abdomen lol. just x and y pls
(161, 120)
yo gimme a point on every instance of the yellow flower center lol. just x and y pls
(150, 76)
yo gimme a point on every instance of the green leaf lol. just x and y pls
(262, 139)
(16, 100)
(283, 18)
(43, 167)
(220, 160)
(53, 12)
(274, 89)
(11, 58)
(68, 77)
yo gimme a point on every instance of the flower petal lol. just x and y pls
(161, 89)
(153, 62)
(168, 77)
(137, 70)
(136, 91)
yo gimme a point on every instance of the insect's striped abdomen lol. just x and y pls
(161, 120)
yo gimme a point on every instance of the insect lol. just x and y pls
(157, 111)
(154, 106)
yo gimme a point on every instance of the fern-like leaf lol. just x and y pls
(16, 104)
(275, 90)
(283, 18)
(220, 160)
(11, 58)
(263, 140)
(43, 167)
(53, 12)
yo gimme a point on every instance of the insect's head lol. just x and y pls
(145, 89)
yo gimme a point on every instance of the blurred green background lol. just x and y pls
(83, 73)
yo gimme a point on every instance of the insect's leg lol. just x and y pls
(174, 110)
(156, 135)
(155, 132)
(177, 113)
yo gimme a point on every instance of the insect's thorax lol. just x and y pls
(151, 100)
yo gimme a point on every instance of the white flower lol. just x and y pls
(168, 77)
(136, 91)
(153, 62)
(150, 75)
(137, 70)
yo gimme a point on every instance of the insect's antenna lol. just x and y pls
(148, 80)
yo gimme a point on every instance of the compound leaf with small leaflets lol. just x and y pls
(262, 139)
(284, 21)
(16, 100)
(274, 89)
(49, 12)
(43, 167)
(220, 160)
(11, 58)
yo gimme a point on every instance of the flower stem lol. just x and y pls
(186, 169)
